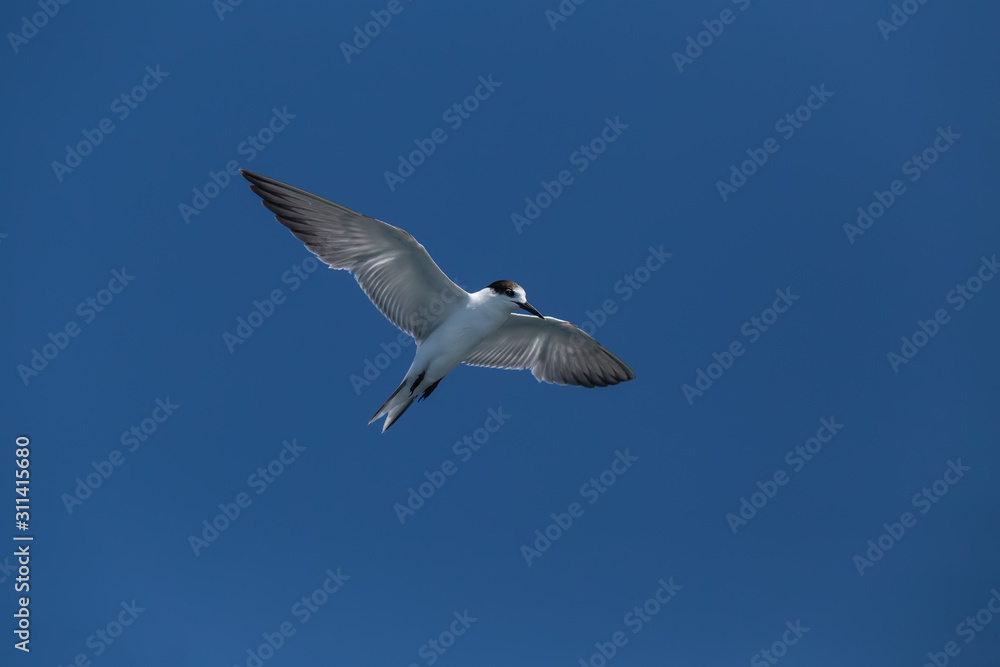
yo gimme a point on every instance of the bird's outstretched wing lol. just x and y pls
(555, 351)
(393, 269)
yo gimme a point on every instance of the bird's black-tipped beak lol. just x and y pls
(531, 309)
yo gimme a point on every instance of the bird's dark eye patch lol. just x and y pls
(510, 292)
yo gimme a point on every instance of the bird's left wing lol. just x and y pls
(555, 351)
(393, 269)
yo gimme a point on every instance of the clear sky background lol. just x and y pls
(719, 512)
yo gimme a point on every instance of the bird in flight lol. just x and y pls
(450, 325)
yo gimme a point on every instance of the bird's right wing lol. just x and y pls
(555, 351)
(393, 269)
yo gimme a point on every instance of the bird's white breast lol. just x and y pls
(458, 335)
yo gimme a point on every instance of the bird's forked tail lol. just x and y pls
(395, 405)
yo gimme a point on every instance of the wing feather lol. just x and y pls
(392, 268)
(555, 351)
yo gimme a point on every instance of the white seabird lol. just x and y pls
(450, 325)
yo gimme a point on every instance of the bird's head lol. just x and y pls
(513, 293)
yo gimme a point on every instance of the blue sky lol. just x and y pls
(783, 217)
